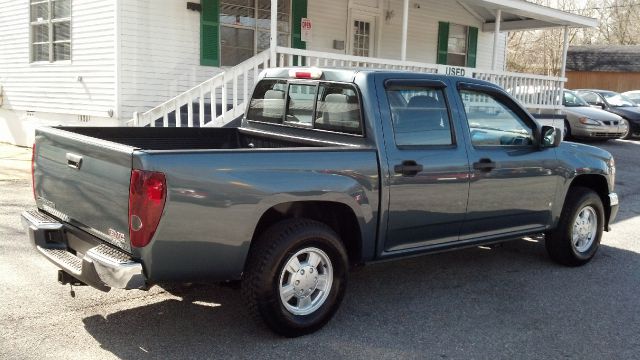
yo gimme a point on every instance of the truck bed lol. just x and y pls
(186, 138)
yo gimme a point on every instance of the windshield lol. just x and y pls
(617, 100)
(572, 99)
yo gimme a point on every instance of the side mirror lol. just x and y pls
(550, 137)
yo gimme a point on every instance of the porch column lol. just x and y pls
(405, 29)
(496, 37)
(273, 40)
(565, 48)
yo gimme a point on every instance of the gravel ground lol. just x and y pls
(500, 303)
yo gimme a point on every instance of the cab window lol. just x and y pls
(492, 122)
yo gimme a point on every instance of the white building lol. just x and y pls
(102, 63)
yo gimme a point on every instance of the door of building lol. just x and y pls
(362, 34)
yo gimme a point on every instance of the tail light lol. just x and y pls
(33, 170)
(147, 195)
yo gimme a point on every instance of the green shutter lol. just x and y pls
(472, 47)
(443, 42)
(298, 11)
(210, 33)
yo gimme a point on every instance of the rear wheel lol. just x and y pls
(577, 238)
(296, 276)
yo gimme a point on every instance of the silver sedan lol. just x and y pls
(584, 121)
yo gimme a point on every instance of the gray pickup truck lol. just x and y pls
(330, 169)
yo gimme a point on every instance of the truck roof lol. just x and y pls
(348, 75)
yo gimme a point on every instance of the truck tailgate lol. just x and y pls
(84, 181)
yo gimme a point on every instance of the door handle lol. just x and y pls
(484, 164)
(408, 168)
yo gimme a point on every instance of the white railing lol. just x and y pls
(298, 57)
(229, 89)
(533, 91)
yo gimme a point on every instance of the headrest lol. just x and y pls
(423, 101)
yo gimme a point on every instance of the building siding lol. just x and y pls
(84, 86)
(159, 53)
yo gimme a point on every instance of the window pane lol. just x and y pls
(267, 103)
(61, 9)
(237, 15)
(61, 31)
(41, 52)
(61, 51)
(40, 33)
(457, 39)
(420, 116)
(236, 45)
(456, 60)
(300, 106)
(338, 109)
(246, 3)
(40, 12)
(492, 122)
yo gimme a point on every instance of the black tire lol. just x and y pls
(566, 135)
(265, 266)
(559, 242)
(629, 133)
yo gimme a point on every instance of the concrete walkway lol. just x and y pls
(15, 162)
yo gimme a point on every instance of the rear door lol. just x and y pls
(513, 181)
(427, 161)
(84, 181)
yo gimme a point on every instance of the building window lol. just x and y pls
(457, 45)
(50, 30)
(245, 28)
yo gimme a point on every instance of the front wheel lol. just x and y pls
(627, 134)
(296, 276)
(577, 238)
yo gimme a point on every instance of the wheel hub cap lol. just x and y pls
(305, 281)
(584, 229)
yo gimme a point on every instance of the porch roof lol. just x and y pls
(523, 15)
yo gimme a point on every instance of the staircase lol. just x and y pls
(220, 100)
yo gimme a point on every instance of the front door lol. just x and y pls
(428, 165)
(363, 34)
(513, 181)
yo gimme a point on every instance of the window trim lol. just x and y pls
(466, 44)
(510, 104)
(255, 28)
(51, 42)
(423, 83)
(287, 125)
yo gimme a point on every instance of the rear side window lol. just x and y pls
(338, 109)
(315, 105)
(419, 116)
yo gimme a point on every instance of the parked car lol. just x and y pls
(634, 95)
(330, 168)
(584, 121)
(615, 103)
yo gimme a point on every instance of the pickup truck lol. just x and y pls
(329, 169)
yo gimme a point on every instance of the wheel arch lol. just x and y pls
(340, 217)
(597, 183)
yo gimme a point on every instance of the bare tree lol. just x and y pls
(540, 51)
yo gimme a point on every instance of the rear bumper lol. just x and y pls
(91, 262)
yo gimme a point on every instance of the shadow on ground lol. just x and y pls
(446, 305)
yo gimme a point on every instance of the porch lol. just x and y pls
(222, 98)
